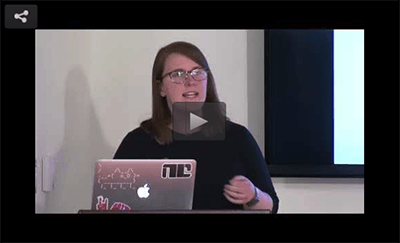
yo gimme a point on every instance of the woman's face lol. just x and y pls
(188, 91)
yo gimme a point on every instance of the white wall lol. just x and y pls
(93, 87)
(62, 105)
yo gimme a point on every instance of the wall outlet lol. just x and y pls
(48, 166)
(36, 175)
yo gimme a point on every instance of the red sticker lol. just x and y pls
(102, 204)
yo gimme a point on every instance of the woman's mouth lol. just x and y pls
(190, 94)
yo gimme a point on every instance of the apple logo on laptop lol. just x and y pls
(143, 192)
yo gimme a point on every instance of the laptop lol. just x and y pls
(156, 184)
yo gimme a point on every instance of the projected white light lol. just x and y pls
(348, 96)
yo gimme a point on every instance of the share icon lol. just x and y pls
(18, 16)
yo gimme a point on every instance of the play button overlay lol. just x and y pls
(198, 121)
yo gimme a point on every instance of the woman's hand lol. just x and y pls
(240, 190)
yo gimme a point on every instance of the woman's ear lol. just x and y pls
(162, 92)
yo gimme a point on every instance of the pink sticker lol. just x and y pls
(119, 206)
(102, 204)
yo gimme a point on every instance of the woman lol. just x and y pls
(230, 174)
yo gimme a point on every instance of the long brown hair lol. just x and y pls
(161, 116)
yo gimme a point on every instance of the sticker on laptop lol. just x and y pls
(102, 204)
(176, 171)
(117, 179)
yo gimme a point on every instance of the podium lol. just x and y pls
(174, 212)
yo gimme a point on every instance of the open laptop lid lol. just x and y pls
(159, 184)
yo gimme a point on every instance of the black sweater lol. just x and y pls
(217, 162)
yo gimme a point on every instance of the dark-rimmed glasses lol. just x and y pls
(180, 76)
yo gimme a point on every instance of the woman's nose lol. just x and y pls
(189, 80)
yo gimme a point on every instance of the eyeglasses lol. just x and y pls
(180, 76)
